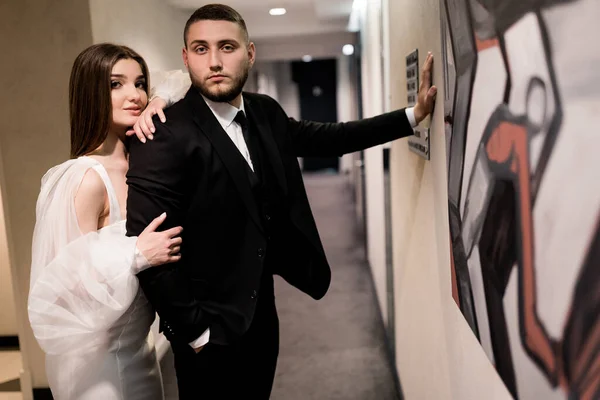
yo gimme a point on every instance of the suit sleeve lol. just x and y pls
(336, 139)
(156, 181)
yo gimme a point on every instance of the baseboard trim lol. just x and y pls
(9, 343)
(388, 344)
(10, 386)
(42, 394)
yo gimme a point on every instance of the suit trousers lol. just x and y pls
(242, 370)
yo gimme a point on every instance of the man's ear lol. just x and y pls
(185, 56)
(251, 53)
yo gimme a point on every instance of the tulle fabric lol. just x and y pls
(80, 283)
(170, 86)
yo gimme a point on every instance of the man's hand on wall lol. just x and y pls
(427, 93)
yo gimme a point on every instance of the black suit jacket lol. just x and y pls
(194, 173)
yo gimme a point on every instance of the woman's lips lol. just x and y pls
(134, 111)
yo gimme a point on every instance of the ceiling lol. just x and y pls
(303, 17)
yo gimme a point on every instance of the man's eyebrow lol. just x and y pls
(226, 41)
(220, 42)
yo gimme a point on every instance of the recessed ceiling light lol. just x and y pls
(348, 49)
(277, 11)
(307, 58)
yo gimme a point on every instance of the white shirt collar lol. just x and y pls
(224, 112)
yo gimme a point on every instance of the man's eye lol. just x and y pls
(228, 47)
(115, 84)
(200, 49)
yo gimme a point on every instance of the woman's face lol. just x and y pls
(129, 98)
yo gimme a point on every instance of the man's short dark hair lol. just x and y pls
(215, 12)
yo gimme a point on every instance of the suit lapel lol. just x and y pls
(259, 119)
(226, 150)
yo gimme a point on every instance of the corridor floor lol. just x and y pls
(333, 348)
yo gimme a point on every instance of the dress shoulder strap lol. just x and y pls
(115, 210)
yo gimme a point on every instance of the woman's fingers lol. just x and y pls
(150, 129)
(161, 115)
(156, 222)
(173, 232)
(173, 258)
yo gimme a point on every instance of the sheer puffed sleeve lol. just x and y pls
(80, 283)
(170, 86)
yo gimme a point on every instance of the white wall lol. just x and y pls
(372, 85)
(151, 27)
(438, 357)
(347, 107)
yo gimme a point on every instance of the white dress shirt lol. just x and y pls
(410, 115)
(225, 114)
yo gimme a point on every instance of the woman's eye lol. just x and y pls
(140, 85)
(115, 84)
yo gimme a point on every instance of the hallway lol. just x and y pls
(333, 348)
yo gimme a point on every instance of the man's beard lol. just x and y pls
(222, 96)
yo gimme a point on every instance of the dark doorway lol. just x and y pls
(317, 87)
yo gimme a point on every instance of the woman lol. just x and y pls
(85, 306)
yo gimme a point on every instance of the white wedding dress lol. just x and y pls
(86, 308)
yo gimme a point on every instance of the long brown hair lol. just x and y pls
(90, 105)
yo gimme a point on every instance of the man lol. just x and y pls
(224, 166)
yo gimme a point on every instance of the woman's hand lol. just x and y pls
(160, 247)
(144, 127)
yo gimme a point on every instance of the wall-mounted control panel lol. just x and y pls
(419, 142)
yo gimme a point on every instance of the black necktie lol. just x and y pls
(241, 119)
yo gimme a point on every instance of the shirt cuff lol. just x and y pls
(140, 262)
(202, 340)
(410, 114)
